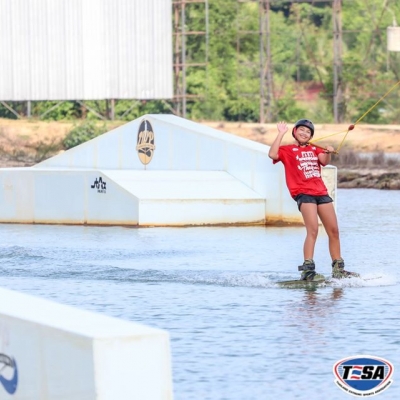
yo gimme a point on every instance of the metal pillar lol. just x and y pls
(29, 109)
(180, 57)
(265, 62)
(183, 58)
(338, 102)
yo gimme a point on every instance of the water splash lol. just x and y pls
(367, 280)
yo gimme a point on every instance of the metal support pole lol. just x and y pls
(262, 62)
(9, 108)
(207, 53)
(178, 87)
(265, 62)
(269, 63)
(112, 110)
(338, 103)
(183, 38)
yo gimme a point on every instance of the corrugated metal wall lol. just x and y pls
(85, 49)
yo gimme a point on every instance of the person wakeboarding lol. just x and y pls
(302, 162)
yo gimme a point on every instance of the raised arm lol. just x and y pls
(282, 129)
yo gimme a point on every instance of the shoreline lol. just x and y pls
(383, 179)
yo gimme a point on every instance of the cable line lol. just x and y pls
(352, 126)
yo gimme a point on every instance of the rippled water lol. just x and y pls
(234, 333)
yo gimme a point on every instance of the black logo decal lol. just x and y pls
(145, 142)
(100, 185)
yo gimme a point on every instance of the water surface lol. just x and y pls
(234, 334)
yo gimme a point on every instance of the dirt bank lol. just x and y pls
(388, 179)
(27, 142)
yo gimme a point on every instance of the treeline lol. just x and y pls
(301, 65)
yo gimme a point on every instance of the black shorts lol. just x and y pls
(308, 198)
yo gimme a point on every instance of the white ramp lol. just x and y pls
(52, 351)
(155, 170)
(190, 197)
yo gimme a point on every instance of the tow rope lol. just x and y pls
(352, 126)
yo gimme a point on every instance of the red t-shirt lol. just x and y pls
(302, 169)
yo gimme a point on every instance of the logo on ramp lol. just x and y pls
(8, 373)
(363, 375)
(145, 142)
(100, 185)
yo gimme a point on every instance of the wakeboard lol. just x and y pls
(297, 283)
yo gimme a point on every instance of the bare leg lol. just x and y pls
(328, 218)
(310, 218)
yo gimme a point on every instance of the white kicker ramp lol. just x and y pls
(50, 351)
(156, 170)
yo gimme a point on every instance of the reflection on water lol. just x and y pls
(312, 313)
(234, 333)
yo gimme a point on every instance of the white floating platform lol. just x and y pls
(158, 170)
(190, 197)
(53, 351)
